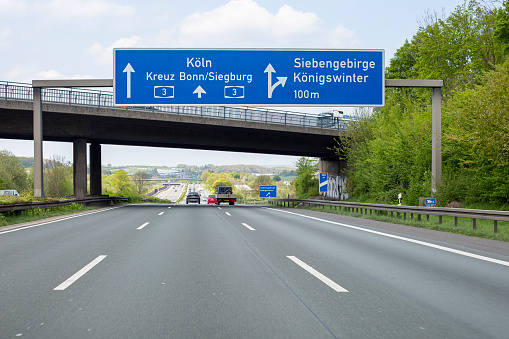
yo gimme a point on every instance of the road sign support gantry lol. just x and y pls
(435, 85)
(80, 158)
(436, 117)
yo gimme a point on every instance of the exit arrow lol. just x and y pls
(199, 90)
(128, 69)
(281, 80)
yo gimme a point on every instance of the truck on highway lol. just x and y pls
(225, 194)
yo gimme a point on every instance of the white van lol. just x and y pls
(9, 192)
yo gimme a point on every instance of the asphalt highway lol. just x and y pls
(198, 271)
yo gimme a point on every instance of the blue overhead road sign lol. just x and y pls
(267, 191)
(248, 77)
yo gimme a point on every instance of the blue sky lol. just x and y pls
(63, 39)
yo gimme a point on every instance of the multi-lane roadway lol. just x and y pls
(198, 271)
(174, 191)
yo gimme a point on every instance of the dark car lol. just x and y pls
(193, 197)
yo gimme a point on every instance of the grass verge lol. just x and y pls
(18, 217)
(484, 228)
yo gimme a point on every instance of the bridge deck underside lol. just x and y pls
(136, 128)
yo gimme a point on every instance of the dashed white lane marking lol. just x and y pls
(169, 207)
(161, 213)
(247, 226)
(423, 243)
(141, 227)
(219, 207)
(228, 214)
(317, 274)
(79, 274)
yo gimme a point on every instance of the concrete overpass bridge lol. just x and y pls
(88, 117)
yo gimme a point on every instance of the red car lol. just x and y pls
(212, 199)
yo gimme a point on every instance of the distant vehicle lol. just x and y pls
(9, 192)
(193, 197)
(225, 194)
(212, 199)
(329, 119)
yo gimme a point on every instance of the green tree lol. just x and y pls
(205, 175)
(306, 182)
(235, 175)
(58, 181)
(12, 173)
(456, 49)
(501, 30)
(221, 181)
(389, 150)
(276, 178)
(263, 180)
(140, 180)
(477, 144)
(121, 183)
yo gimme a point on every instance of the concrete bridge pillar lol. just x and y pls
(80, 168)
(336, 187)
(38, 159)
(95, 169)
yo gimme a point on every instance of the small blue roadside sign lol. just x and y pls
(248, 77)
(267, 191)
(324, 179)
(430, 201)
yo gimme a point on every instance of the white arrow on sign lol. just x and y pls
(281, 80)
(128, 69)
(199, 90)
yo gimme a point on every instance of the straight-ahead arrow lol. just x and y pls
(199, 90)
(128, 69)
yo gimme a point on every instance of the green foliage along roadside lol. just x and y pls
(16, 217)
(12, 173)
(389, 149)
(306, 182)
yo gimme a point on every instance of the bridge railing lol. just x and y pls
(90, 97)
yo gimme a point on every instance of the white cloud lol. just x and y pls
(104, 55)
(12, 6)
(5, 34)
(54, 74)
(85, 9)
(244, 23)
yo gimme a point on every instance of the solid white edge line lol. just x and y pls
(79, 274)
(228, 214)
(438, 247)
(247, 226)
(317, 274)
(141, 227)
(53, 221)
(161, 213)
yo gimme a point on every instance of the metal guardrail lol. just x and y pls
(54, 203)
(418, 210)
(96, 98)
